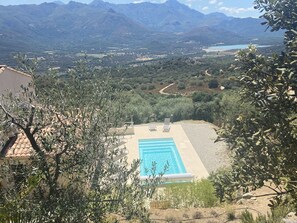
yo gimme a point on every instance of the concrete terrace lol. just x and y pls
(194, 141)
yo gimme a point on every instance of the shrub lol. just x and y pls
(143, 87)
(197, 215)
(186, 216)
(230, 83)
(196, 83)
(205, 111)
(178, 108)
(181, 86)
(231, 215)
(127, 87)
(276, 216)
(218, 179)
(151, 87)
(232, 106)
(213, 83)
(280, 208)
(144, 80)
(195, 194)
(201, 97)
(135, 85)
(193, 83)
(247, 217)
(138, 108)
(200, 83)
(169, 81)
(214, 213)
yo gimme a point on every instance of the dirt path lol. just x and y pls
(163, 89)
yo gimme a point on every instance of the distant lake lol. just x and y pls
(230, 47)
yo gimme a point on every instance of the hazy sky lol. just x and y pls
(238, 8)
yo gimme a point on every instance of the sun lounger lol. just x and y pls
(166, 127)
(152, 127)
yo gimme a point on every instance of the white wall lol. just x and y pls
(11, 81)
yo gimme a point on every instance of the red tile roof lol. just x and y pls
(20, 148)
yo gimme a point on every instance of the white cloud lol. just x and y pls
(138, 1)
(158, 2)
(234, 10)
(213, 2)
(190, 3)
(205, 8)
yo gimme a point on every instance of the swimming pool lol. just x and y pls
(161, 151)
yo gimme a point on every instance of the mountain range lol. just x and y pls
(101, 24)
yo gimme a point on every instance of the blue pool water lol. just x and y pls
(161, 151)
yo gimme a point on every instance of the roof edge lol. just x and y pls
(14, 70)
(9, 143)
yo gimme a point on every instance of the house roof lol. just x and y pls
(4, 67)
(18, 146)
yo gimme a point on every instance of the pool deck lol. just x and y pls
(214, 155)
(190, 142)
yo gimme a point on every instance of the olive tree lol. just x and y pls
(264, 141)
(76, 171)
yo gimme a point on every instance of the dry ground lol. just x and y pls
(258, 205)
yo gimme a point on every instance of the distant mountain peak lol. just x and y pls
(219, 15)
(100, 25)
(96, 2)
(58, 2)
(173, 2)
(75, 3)
(100, 3)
